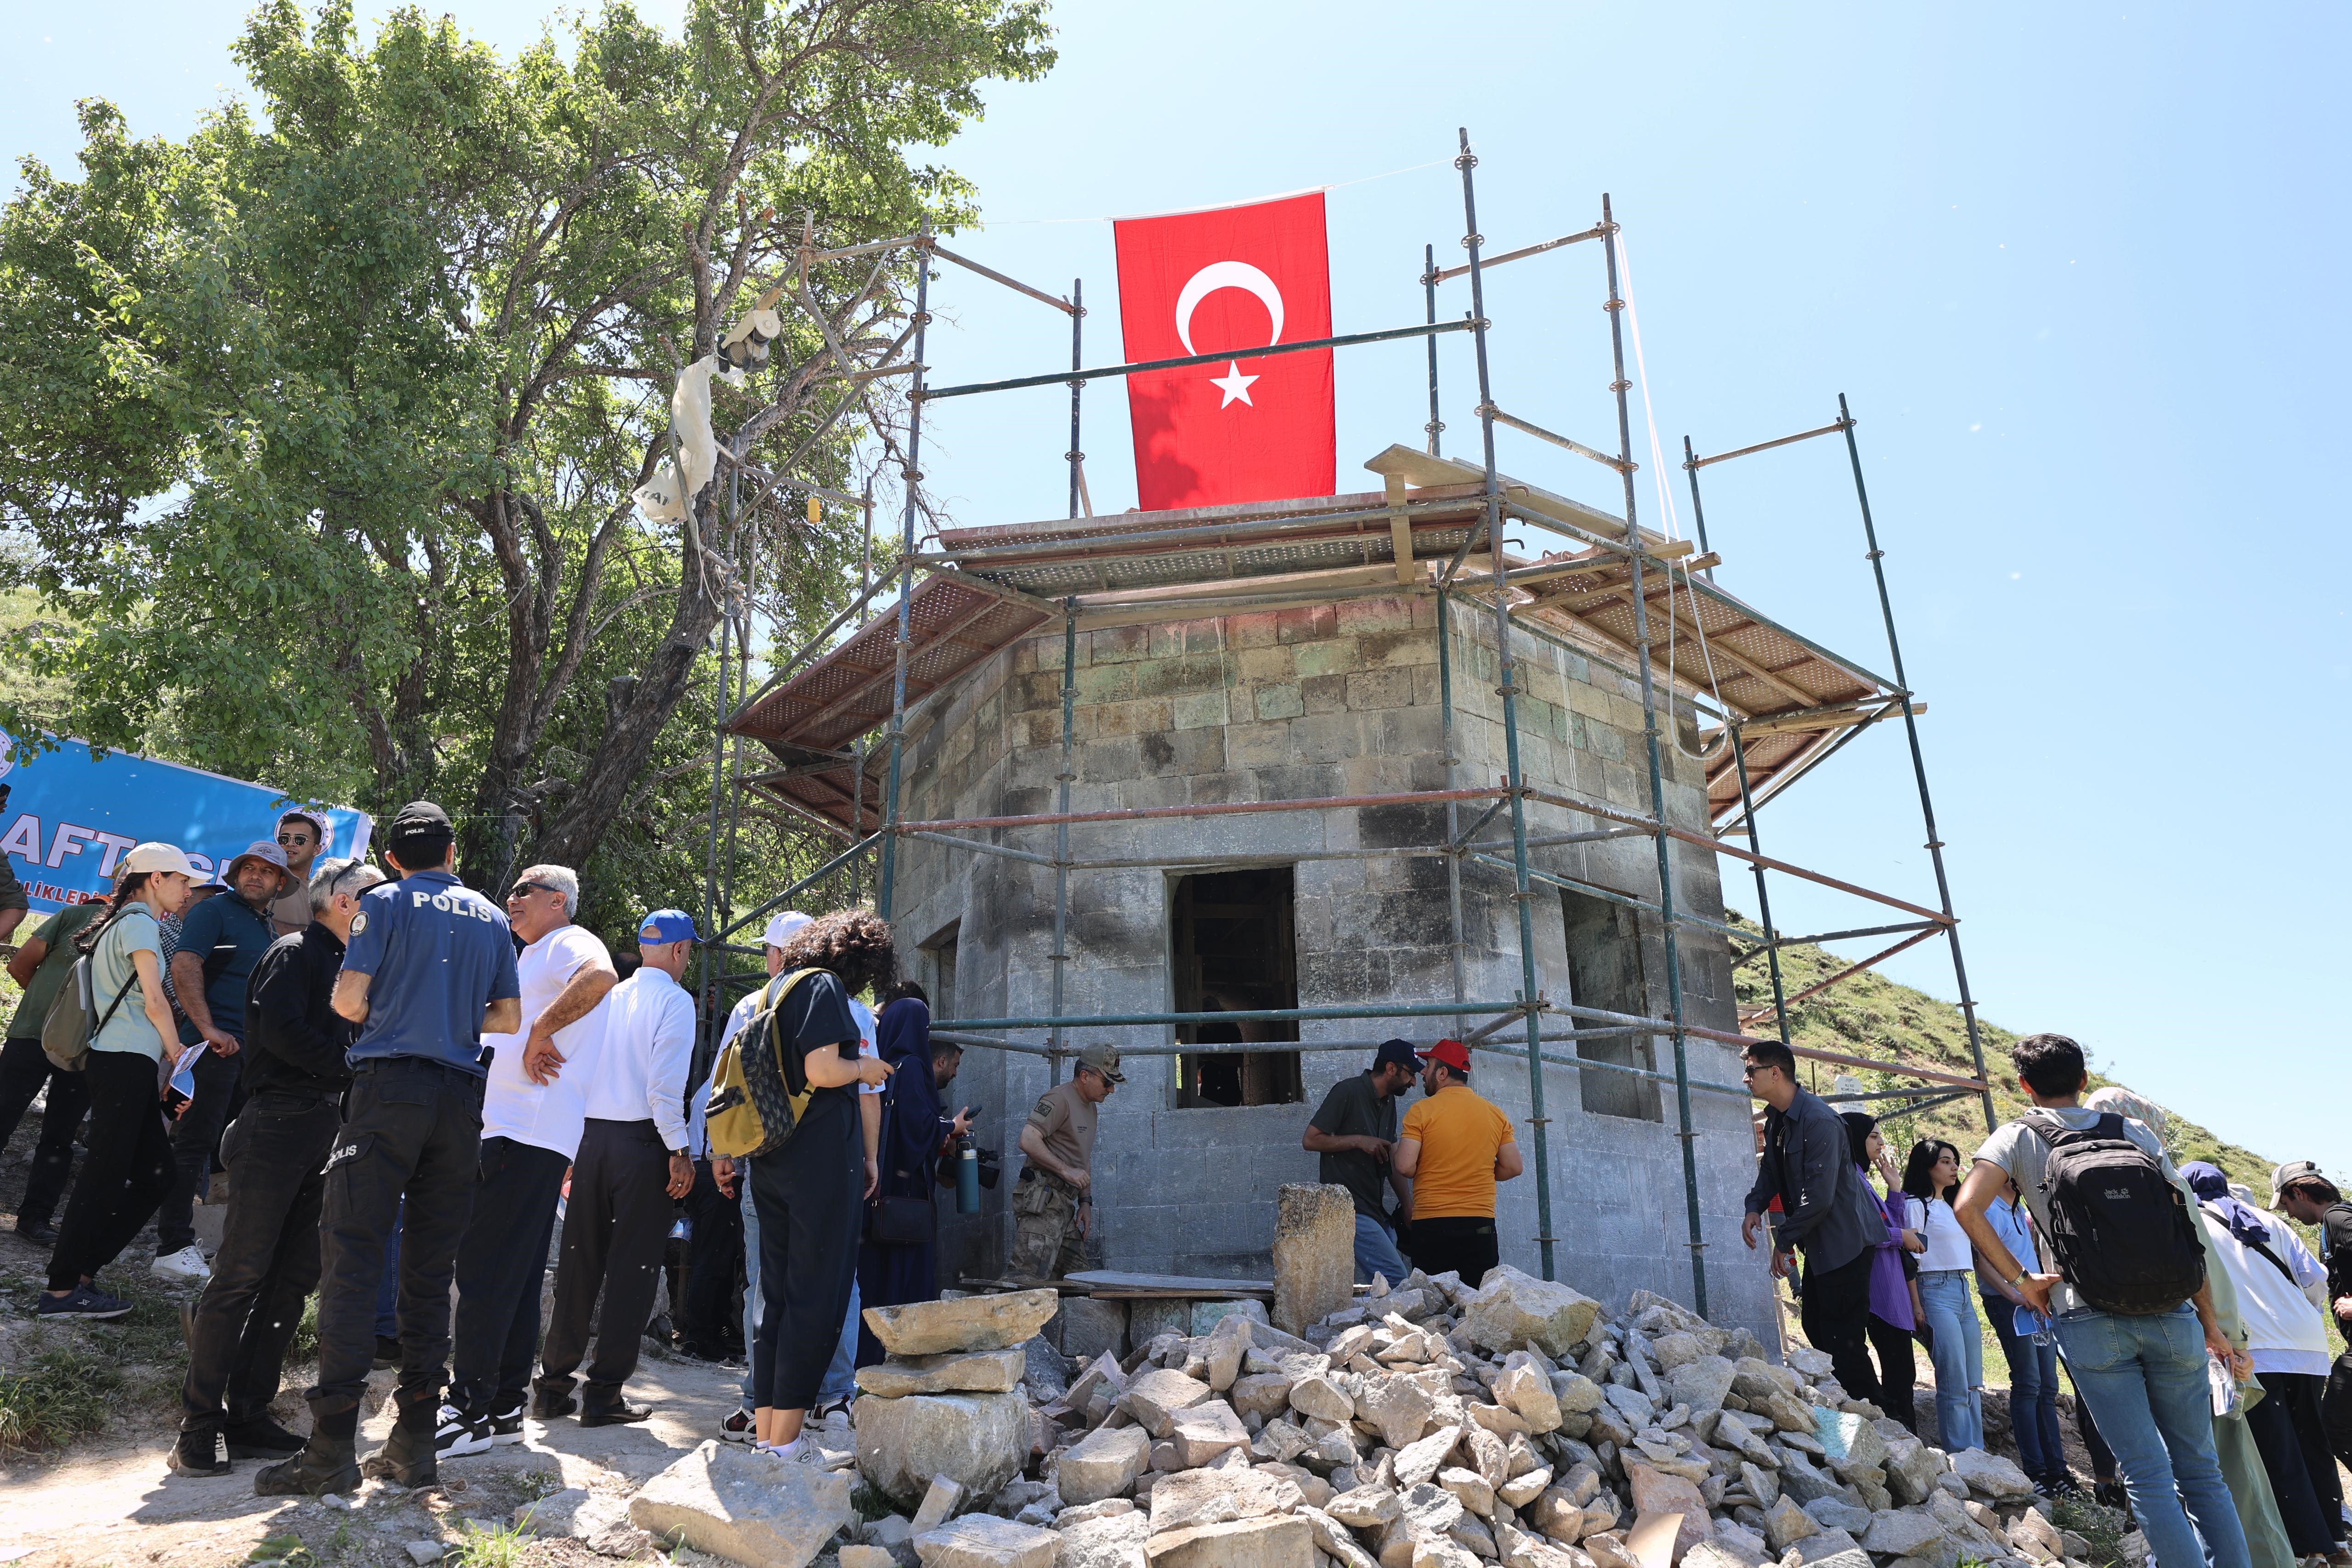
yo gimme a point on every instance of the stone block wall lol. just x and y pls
(1326, 701)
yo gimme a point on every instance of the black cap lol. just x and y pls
(1400, 1051)
(419, 829)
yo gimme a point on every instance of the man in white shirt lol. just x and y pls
(532, 1111)
(632, 1166)
(839, 1388)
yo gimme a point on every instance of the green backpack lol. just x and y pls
(759, 1089)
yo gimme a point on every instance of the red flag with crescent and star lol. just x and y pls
(1229, 281)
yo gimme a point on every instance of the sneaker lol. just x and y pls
(834, 1414)
(459, 1433)
(39, 1232)
(260, 1438)
(82, 1302)
(187, 1263)
(740, 1428)
(620, 1413)
(506, 1427)
(199, 1451)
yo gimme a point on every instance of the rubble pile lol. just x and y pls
(1430, 1426)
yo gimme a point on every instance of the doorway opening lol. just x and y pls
(1234, 950)
(1604, 970)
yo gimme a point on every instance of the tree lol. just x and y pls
(327, 420)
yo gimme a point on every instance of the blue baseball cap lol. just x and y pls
(667, 925)
(1400, 1051)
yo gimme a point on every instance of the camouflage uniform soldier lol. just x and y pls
(1055, 1200)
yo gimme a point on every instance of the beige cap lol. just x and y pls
(156, 857)
(1103, 1058)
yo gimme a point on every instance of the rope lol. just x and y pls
(1666, 508)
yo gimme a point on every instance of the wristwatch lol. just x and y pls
(2019, 1278)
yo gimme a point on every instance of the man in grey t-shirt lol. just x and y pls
(2143, 1375)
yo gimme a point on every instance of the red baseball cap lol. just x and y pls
(1452, 1052)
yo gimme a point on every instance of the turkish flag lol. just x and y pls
(1228, 281)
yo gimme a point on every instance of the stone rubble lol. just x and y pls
(1428, 1426)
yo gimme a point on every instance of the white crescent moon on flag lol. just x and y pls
(1225, 275)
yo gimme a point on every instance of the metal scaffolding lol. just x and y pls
(1797, 740)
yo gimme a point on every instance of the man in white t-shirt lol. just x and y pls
(632, 1167)
(533, 1110)
(833, 1396)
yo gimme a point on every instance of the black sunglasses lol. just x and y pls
(533, 887)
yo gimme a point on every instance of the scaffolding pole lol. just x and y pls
(886, 878)
(1918, 761)
(1062, 781)
(1620, 386)
(1530, 993)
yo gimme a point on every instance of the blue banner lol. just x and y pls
(72, 813)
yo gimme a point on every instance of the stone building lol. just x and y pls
(1184, 701)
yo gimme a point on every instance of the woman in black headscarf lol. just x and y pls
(914, 1130)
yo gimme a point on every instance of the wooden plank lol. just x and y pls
(1400, 531)
(1100, 1280)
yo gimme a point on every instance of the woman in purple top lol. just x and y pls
(1892, 1322)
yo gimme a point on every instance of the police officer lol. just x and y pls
(1053, 1207)
(429, 966)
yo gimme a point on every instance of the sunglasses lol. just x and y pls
(522, 887)
(293, 838)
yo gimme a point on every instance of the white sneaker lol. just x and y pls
(187, 1263)
(456, 1436)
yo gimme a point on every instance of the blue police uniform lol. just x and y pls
(436, 954)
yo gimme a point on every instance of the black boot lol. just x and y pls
(325, 1464)
(410, 1456)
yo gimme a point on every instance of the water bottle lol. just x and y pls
(967, 1180)
(682, 1229)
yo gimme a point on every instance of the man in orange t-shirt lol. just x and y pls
(1455, 1146)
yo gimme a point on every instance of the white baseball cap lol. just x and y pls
(783, 928)
(157, 857)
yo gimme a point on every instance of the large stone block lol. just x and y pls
(1512, 1307)
(1314, 1254)
(1112, 1541)
(1189, 1497)
(978, 1440)
(1205, 1431)
(1103, 1463)
(968, 1322)
(1656, 1492)
(1285, 1542)
(1156, 1398)
(743, 1506)
(1091, 1328)
(955, 1372)
(984, 1541)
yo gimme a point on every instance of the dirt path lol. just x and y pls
(116, 1502)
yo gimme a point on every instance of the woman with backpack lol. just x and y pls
(1891, 1321)
(132, 1047)
(809, 1192)
(1948, 1291)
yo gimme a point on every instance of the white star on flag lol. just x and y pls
(1233, 384)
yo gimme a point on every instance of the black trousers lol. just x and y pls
(2336, 1408)
(809, 1198)
(500, 1264)
(1898, 1370)
(413, 1128)
(268, 1258)
(713, 1254)
(194, 1135)
(23, 1068)
(1464, 1243)
(614, 1230)
(1836, 1318)
(2289, 1431)
(127, 1172)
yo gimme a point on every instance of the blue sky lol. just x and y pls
(2079, 270)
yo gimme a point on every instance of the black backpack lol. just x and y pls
(2123, 1235)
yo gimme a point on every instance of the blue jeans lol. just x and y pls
(1950, 1296)
(2144, 1379)
(1376, 1252)
(2032, 1392)
(388, 1291)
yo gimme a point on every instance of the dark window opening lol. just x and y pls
(941, 980)
(1235, 950)
(1604, 970)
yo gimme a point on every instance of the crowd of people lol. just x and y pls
(2191, 1322)
(408, 1087)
